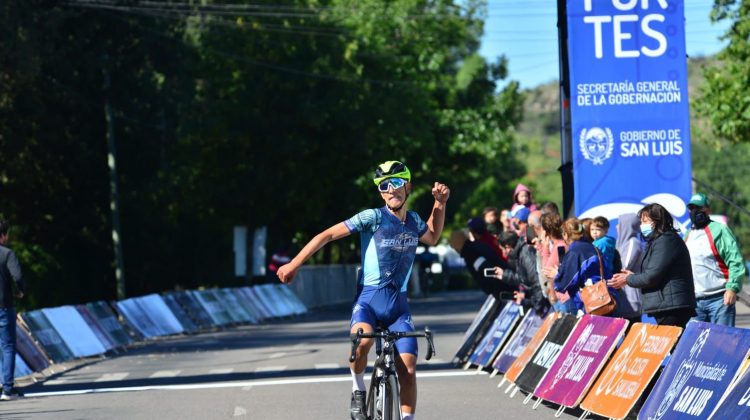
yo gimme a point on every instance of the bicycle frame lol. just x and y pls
(383, 401)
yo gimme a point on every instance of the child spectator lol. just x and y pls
(603, 242)
(522, 198)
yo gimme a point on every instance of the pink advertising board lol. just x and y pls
(587, 349)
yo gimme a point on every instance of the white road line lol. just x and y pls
(270, 369)
(235, 384)
(239, 411)
(277, 355)
(56, 381)
(327, 366)
(220, 371)
(165, 374)
(117, 376)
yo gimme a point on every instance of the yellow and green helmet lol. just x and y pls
(391, 169)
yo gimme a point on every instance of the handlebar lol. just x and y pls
(392, 336)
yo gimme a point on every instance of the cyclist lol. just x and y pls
(389, 237)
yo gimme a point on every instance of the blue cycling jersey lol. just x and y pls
(388, 246)
(388, 250)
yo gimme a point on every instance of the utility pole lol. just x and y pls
(566, 159)
(114, 198)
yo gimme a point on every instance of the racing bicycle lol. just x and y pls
(383, 402)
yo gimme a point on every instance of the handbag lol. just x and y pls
(596, 298)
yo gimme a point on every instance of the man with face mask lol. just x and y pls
(717, 264)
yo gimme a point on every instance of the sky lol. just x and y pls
(526, 32)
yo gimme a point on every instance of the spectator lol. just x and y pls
(630, 247)
(10, 277)
(478, 256)
(551, 252)
(586, 223)
(523, 276)
(490, 215)
(478, 230)
(580, 263)
(505, 219)
(605, 243)
(666, 278)
(717, 264)
(522, 197)
(550, 207)
(520, 220)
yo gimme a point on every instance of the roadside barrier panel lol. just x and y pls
(321, 285)
(547, 353)
(194, 309)
(632, 368)
(736, 402)
(108, 320)
(705, 362)
(46, 336)
(22, 369)
(77, 335)
(139, 320)
(180, 313)
(159, 312)
(236, 310)
(213, 306)
(257, 300)
(518, 341)
(30, 350)
(269, 295)
(496, 336)
(108, 342)
(249, 305)
(476, 330)
(582, 357)
(527, 353)
(294, 300)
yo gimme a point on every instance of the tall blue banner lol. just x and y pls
(629, 106)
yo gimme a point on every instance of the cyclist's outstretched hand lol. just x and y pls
(441, 192)
(286, 273)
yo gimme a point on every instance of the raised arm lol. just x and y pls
(435, 223)
(287, 272)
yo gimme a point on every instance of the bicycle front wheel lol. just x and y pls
(392, 407)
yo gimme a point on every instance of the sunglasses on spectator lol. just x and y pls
(394, 183)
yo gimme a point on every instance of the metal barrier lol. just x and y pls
(325, 284)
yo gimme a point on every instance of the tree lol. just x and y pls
(726, 96)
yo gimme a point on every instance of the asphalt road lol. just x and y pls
(289, 369)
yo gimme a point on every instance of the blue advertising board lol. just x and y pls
(699, 372)
(737, 402)
(629, 106)
(521, 338)
(496, 335)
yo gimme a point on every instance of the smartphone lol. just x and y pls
(530, 234)
(560, 252)
(489, 272)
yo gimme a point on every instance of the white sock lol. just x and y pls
(407, 416)
(358, 380)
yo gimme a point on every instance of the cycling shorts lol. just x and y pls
(388, 308)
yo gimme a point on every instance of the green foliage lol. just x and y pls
(726, 94)
(246, 118)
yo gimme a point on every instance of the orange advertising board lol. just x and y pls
(515, 369)
(628, 373)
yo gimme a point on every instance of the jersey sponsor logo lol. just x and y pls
(400, 243)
